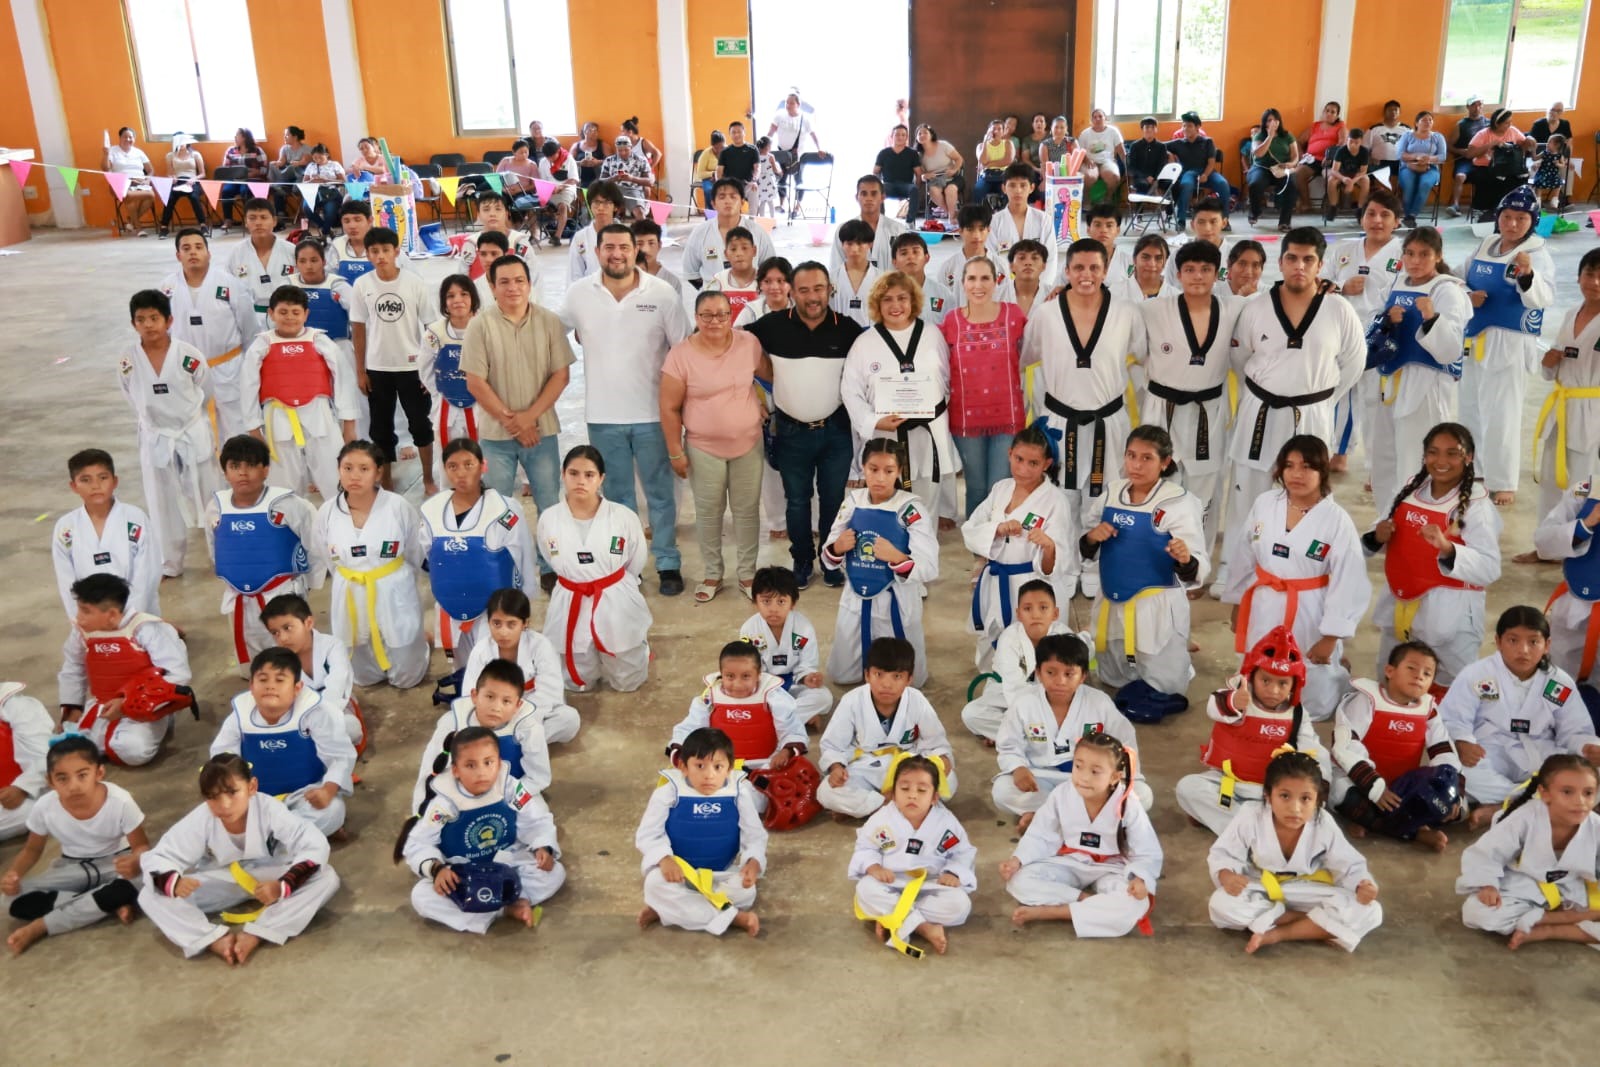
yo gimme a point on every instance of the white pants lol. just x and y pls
(1451, 621)
(1491, 407)
(169, 493)
(329, 820)
(1009, 799)
(844, 659)
(1247, 483)
(537, 886)
(448, 635)
(73, 882)
(132, 744)
(1580, 465)
(560, 723)
(1167, 669)
(254, 631)
(982, 716)
(1397, 443)
(1200, 798)
(625, 672)
(1512, 915)
(1485, 785)
(812, 703)
(946, 905)
(1329, 906)
(1097, 893)
(1326, 685)
(183, 919)
(298, 467)
(1208, 488)
(14, 821)
(408, 664)
(681, 904)
(225, 393)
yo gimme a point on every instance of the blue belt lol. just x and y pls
(866, 622)
(1003, 573)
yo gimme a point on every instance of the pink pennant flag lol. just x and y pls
(213, 191)
(545, 189)
(257, 189)
(118, 183)
(20, 168)
(163, 188)
(659, 211)
(764, 222)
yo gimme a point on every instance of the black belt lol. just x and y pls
(903, 434)
(1069, 443)
(1270, 401)
(817, 424)
(1174, 397)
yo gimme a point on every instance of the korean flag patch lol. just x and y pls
(1036, 732)
(883, 839)
(1318, 550)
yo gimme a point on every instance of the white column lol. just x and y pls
(1333, 54)
(344, 65)
(677, 133)
(49, 114)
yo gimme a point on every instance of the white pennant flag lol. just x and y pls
(308, 193)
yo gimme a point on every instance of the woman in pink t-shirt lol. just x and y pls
(1320, 140)
(986, 410)
(711, 415)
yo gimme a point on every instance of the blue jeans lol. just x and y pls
(1187, 181)
(705, 191)
(542, 465)
(1414, 189)
(984, 461)
(625, 446)
(811, 458)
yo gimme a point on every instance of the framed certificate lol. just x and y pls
(910, 396)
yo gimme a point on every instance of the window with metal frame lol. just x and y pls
(510, 63)
(1520, 54)
(1159, 57)
(195, 67)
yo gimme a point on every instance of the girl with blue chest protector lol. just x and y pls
(441, 362)
(884, 540)
(328, 310)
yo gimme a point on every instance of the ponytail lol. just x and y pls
(440, 763)
(1552, 766)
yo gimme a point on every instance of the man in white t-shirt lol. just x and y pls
(791, 128)
(1383, 141)
(626, 320)
(1103, 143)
(388, 308)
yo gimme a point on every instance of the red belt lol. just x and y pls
(580, 592)
(1289, 587)
(444, 422)
(1591, 634)
(260, 597)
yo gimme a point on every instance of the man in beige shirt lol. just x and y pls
(515, 357)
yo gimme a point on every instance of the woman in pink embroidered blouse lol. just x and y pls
(986, 409)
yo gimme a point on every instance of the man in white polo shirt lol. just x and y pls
(626, 320)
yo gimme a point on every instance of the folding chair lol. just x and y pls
(815, 176)
(494, 157)
(429, 174)
(1156, 205)
(469, 188)
(1594, 190)
(446, 159)
(228, 176)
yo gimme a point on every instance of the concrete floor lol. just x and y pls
(587, 985)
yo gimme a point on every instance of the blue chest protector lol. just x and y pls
(283, 757)
(463, 570)
(867, 574)
(1136, 559)
(352, 269)
(452, 382)
(325, 313)
(1582, 573)
(252, 550)
(1390, 347)
(704, 830)
(1503, 307)
(479, 830)
(506, 736)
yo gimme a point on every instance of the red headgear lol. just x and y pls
(1277, 653)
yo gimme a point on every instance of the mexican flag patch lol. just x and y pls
(389, 549)
(135, 531)
(910, 516)
(222, 293)
(520, 796)
(1556, 693)
(1318, 550)
(190, 364)
(799, 640)
(1030, 521)
(509, 520)
(618, 544)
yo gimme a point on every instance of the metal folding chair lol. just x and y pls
(1155, 207)
(815, 176)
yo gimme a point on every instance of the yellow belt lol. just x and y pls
(294, 426)
(248, 883)
(902, 907)
(1029, 377)
(702, 879)
(1552, 895)
(370, 579)
(1233, 396)
(1389, 387)
(1405, 613)
(1273, 883)
(1557, 402)
(1103, 618)
(1229, 781)
(230, 354)
(1474, 347)
(1132, 397)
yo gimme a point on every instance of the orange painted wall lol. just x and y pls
(719, 88)
(16, 118)
(292, 68)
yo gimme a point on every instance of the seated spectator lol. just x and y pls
(1384, 139)
(565, 194)
(738, 161)
(641, 144)
(1197, 155)
(1553, 122)
(589, 153)
(1347, 174)
(631, 172)
(1104, 145)
(1470, 125)
(324, 171)
(517, 172)
(1028, 148)
(705, 166)
(369, 164)
(185, 168)
(244, 152)
(1318, 143)
(898, 166)
(1060, 144)
(293, 154)
(941, 170)
(791, 127)
(1145, 157)
(125, 157)
(995, 153)
(1421, 152)
(1499, 154)
(1273, 154)
(537, 138)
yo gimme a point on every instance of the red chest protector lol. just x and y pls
(1410, 564)
(739, 298)
(1248, 745)
(10, 770)
(112, 657)
(294, 373)
(1398, 737)
(747, 720)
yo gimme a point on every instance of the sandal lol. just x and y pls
(706, 592)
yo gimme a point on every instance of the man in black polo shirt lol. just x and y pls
(812, 443)
(739, 160)
(1198, 157)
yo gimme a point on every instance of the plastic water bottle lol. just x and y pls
(833, 215)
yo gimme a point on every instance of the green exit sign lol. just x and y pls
(733, 47)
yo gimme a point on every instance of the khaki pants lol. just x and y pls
(727, 485)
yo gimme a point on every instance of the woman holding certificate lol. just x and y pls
(897, 384)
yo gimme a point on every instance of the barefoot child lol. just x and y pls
(1391, 748)
(873, 725)
(750, 706)
(913, 863)
(297, 747)
(787, 642)
(98, 825)
(1533, 874)
(508, 636)
(702, 842)
(1284, 871)
(494, 701)
(324, 659)
(1041, 731)
(1090, 857)
(104, 535)
(1011, 671)
(239, 850)
(483, 845)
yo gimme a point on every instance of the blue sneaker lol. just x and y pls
(833, 579)
(802, 573)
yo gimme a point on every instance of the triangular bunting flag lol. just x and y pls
(764, 222)
(1383, 176)
(70, 176)
(659, 211)
(447, 186)
(20, 168)
(213, 191)
(356, 190)
(118, 183)
(544, 189)
(257, 189)
(163, 188)
(497, 183)
(308, 193)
